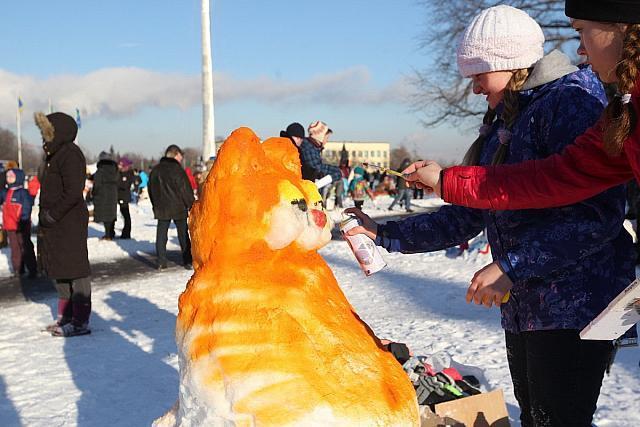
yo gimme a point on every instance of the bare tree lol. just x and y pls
(191, 156)
(31, 154)
(442, 94)
(397, 156)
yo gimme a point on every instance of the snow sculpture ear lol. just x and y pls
(237, 193)
(240, 154)
(282, 152)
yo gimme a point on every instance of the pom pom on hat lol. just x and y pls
(500, 38)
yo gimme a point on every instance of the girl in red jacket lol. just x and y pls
(608, 154)
(16, 219)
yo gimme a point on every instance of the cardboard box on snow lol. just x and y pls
(481, 410)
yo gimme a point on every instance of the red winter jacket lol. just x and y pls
(11, 212)
(34, 186)
(581, 171)
(192, 179)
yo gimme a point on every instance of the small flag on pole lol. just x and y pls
(20, 104)
(78, 121)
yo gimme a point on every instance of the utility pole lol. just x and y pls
(208, 124)
(19, 133)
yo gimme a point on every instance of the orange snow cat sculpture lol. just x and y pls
(265, 335)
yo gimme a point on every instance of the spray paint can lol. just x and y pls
(365, 250)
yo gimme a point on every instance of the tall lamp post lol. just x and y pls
(208, 125)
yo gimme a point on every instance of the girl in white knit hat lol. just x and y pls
(548, 283)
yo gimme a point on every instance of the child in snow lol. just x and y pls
(359, 188)
(16, 219)
(561, 266)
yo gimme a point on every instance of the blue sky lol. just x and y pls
(133, 69)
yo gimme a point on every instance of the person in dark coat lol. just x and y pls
(105, 194)
(125, 181)
(3, 179)
(296, 134)
(404, 193)
(63, 221)
(171, 197)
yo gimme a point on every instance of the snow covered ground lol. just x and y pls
(125, 372)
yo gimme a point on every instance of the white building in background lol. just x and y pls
(376, 153)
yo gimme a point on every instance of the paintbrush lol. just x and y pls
(386, 170)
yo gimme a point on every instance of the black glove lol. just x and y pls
(45, 218)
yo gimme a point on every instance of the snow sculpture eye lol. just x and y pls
(286, 219)
(299, 217)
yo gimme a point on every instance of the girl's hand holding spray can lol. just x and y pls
(362, 246)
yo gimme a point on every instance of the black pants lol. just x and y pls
(110, 229)
(124, 210)
(556, 376)
(183, 238)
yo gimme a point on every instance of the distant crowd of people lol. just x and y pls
(64, 190)
(69, 194)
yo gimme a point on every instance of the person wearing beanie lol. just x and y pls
(319, 132)
(313, 167)
(126, 179)
(295, 132)
(62, 225)
(554, 269)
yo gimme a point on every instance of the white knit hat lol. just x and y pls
(500, 38)
(318, 130)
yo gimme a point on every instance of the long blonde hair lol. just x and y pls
(619, 117)
(509, 116)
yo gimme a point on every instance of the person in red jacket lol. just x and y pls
(608, 154)
(16, 219)
(192, 179)
(34, 186)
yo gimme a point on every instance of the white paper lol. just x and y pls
(323, 182)
(620, 315)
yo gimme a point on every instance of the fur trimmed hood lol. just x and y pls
(56, 129)
(45, 126)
